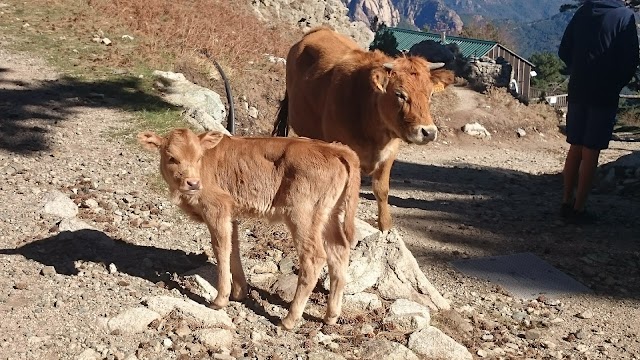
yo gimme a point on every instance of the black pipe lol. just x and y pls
(231, 117)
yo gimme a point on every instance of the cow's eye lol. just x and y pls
(172, 160)
(402, 96)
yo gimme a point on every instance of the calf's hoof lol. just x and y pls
(331, 320)
(239, 294)
(385, 224)
(287, 323)
(219, 303)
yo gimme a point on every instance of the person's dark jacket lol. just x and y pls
(600, 49)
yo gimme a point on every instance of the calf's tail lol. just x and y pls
(351, 196)
(281, 125)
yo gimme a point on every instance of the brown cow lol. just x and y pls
(338, 92)
(307, 184)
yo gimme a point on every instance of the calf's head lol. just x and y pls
(181, 153)
(404, 86)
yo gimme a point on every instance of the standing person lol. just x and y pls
(600, 49)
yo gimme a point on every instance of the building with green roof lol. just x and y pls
(472, 48)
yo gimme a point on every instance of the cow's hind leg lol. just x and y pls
(337, 248)
(311, 258)
(239, 289)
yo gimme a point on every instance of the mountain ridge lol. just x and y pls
(535, 26)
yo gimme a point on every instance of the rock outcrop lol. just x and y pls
(307, 14)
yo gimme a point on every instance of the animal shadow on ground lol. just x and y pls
(27, 110)
(468, 210)
(147, 262)
(153, 264)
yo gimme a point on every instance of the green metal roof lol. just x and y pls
(468, 47)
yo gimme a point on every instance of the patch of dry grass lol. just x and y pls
(512, 113)
(166, 35)
(228, 30)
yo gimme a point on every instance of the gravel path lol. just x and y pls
(455, 199)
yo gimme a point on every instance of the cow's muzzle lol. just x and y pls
(423, 134)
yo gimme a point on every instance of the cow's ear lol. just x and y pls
(210, 139)
(380, 79)
(442, 77)
(150, 141)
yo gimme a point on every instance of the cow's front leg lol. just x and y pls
(380, 184)
(221, 230)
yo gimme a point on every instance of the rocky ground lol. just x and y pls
(108, 271)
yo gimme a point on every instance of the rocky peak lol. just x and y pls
(369, 11)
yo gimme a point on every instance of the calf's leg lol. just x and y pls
(337, 248)
(311, 258)
(221, 234)
(239, 289)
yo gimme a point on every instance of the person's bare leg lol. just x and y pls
(571, 171)
(588, 167)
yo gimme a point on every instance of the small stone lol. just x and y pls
(48, 271)
(557, 320)
(580, 334)
(266, 268)
(215, 339)
(167, 343)
(533, 334)
(482, 353)
(286, 265)
(487, 337)
(106, 41)
(253, 112)
(518, 316)
(21, 285)
(366, 329)
(521, 132)
(582, 348)
(112, 268)
(587, 314)
(91, 204)
(183, 331)
(256, 336)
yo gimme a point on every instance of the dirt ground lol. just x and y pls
(457, 198)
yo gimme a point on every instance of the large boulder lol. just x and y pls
(381, 261)
(485, 72)
(203, 107)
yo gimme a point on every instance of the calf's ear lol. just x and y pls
(150, 141)
(210, 139)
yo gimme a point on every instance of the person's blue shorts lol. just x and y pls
(590, 126)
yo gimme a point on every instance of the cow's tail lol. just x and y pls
(351, 196)
(281, 125)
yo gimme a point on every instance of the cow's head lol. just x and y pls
(404, 86)
(181, 154)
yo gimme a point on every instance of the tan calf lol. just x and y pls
(307, 184)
